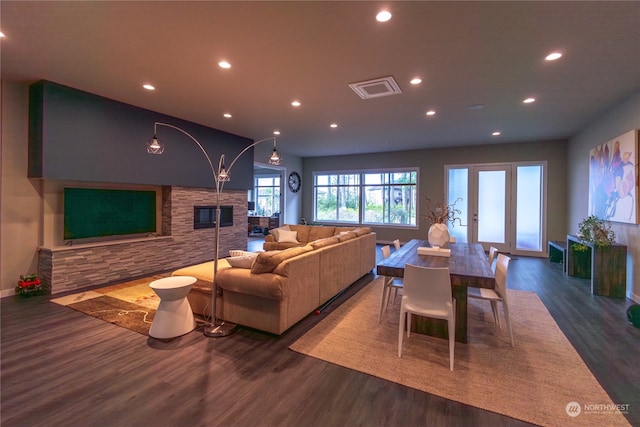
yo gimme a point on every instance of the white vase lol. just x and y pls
(438, 235)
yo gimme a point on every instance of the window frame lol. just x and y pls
(256, 192)
(362, 198)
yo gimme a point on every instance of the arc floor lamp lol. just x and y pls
(214, 327)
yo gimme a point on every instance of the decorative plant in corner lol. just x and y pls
(439, 216)
(595, 231)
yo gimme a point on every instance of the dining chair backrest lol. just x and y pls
(492, 254)
(429, 287)
(396, 244)
(386, 251)
(502, 266)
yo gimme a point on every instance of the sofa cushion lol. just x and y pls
(342, 230)
(320, 232)
(303, 232)
(321, 243)
(243, 281)
(276, 232)
(346, 235)
(203, 271)
(362, 230)
(266, 262)
(285, 236)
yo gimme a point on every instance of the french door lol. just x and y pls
(500, 205)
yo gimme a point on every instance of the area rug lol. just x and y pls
(542, 380)
(130, 304)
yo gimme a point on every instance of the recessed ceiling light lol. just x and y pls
(1, 35)
(296, 103)
(416, 81)
(149, 87)
(496, 133)
(529, 100)
(553, 56)
(383, 16)
(224, 64)
(276, 132)
(333, 125)
(227, 115)
(476, 107)
(431, 113)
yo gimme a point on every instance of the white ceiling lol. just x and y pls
(466, 53)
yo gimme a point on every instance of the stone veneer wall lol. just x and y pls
(68, 268)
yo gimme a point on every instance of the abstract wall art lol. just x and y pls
(613, 179)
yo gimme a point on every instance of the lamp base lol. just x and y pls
(218, 328)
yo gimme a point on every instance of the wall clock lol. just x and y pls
(294, 182)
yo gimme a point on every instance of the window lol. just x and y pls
(371, 197)
(337, 198)
(267, 190)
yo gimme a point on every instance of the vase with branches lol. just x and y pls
(439, 215)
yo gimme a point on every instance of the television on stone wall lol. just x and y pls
(205, 216)
(95, 212)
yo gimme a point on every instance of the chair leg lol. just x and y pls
(496, 313)
(408, 324)
(506, 318)
(385, 297)
(395, 294)
(451, 326)
(400, 332)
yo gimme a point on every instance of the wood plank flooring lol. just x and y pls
(63, 368)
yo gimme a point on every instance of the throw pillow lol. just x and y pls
(238, 252)
(276, 232)
(241, 261)
(288, 236)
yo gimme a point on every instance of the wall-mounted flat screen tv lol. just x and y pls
(94, 212)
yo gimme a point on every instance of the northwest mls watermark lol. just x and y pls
(574, 409)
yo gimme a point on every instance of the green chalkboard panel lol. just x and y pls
(92, 212)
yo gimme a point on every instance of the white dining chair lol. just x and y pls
(427, 292)
(396, 244)
(493, 252)
(499, 294)
(390, 283)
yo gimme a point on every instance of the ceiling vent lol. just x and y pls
(376, 88)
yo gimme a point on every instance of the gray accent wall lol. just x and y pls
(76, 135)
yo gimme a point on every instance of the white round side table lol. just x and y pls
(174, 316)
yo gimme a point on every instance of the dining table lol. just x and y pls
(468, 267)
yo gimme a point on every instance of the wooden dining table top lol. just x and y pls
(468, 264)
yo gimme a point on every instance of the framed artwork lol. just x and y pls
(613, 179)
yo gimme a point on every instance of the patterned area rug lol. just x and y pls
(130, 305)
(542, 380)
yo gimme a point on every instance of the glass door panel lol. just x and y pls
(497, 207)
(492, 206)
(458, 194)
(529, 208)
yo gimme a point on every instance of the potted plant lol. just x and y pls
(439, 216)
(591, 231)
(595, 231)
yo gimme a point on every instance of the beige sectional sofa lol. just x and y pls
(285, 285)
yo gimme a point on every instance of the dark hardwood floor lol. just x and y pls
(63, 368)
